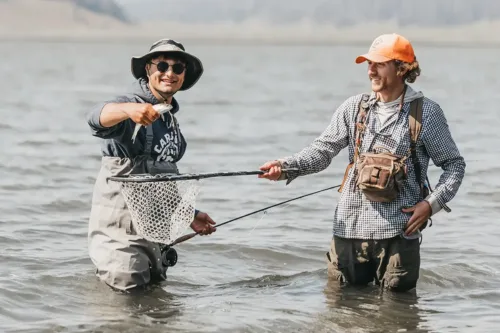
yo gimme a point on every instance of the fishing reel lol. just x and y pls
(168, 256)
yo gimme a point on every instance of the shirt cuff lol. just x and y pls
(290, 175)
(433, 202)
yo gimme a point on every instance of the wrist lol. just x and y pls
(433, 204)
(283, 165)
(125, 109)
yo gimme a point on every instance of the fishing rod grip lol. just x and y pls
(261, 172)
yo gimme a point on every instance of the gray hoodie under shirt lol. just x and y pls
(387, 112)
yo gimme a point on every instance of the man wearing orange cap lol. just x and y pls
(386, 199)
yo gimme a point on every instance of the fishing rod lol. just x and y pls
(169, 254)
(191, 235)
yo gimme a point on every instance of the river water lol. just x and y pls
(263, 273)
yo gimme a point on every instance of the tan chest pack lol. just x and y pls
(380, 175)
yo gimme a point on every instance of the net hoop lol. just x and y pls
(161, 211)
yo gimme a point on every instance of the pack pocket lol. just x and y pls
(380, 176)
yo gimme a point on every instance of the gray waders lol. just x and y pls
(123, 259)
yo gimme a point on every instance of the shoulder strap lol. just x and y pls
(362, 108)
(148, 146)
(415, 122)
(359, 127)
(359, 120)
(415, 119)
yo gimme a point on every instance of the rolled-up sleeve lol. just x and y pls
(94, 116)
(319, 154)
(444, 153)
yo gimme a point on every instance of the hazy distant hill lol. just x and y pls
(105, 7)
(335, 12)
(274, 21)
(44, 17)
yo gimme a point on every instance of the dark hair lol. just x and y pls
(168, 55)
(409, 71)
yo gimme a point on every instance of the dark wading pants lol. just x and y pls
(392, 263)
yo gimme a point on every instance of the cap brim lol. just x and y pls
(373, 57)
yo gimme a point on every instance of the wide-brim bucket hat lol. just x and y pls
(194, 67)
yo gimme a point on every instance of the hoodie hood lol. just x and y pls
(387, 112)
(141, 89)
(409, 96)
(412, 94)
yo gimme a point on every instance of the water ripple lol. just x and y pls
(266, 272)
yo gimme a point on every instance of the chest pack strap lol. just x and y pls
(415, 122)
(359, 128)
(148, 148)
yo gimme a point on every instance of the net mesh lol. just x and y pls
(162, 210)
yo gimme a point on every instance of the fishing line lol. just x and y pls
(265, 215)
(189, 236)
(162, 205)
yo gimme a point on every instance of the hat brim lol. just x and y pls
(194, 67)
(373, 57)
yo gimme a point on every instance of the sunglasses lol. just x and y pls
(163, 66)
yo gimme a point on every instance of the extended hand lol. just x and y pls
(420, 214)
(141, 113)
(273, 169)
(203, 224)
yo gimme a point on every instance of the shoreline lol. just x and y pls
(259, 33)
(110, 39)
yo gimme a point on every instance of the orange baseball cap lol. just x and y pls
(388, 47)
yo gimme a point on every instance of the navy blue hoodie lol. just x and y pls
(168, 142)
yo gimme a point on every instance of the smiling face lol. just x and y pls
(384, 76)
(166, 75)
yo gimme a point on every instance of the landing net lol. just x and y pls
(161, 210)
(163, 205)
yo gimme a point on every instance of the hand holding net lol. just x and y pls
(160, 210)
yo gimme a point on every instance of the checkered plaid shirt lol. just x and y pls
(355, 216)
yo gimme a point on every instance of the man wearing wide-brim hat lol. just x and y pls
(123, 259)
(194, 67)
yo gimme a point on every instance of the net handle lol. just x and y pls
(189, 176)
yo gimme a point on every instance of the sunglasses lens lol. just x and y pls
(162, 66)
(178, 68)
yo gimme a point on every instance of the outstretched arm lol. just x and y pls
(318, 155)
(106, 119)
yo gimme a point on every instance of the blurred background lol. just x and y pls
(275, 71)
(326, 21)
